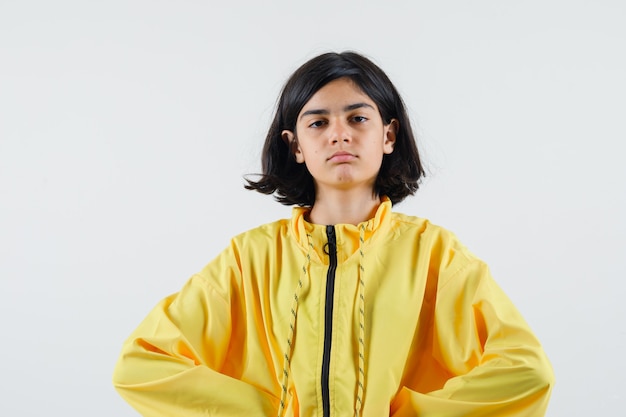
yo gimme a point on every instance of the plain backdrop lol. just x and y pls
(126, 128)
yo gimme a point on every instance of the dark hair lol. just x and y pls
(291, 182)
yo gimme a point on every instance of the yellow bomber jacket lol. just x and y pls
(390, 317)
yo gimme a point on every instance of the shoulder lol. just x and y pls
(254, 240)
(265, 233)
(251, 247)
(428, 233)
(439, 246)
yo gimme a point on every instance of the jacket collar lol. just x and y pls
(307, 233)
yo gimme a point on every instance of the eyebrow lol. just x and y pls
(347, 108)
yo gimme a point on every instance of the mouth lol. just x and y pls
(342, 156)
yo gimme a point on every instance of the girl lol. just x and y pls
(347, 308)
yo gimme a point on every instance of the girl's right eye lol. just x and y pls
(317, 123)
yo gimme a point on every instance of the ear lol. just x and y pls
(292, 142)
(390, 136)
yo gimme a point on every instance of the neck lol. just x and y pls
(341, 207)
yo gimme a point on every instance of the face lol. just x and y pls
(341, 137)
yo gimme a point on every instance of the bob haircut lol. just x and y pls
(292, 183)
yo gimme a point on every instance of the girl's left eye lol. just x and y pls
(359, 119)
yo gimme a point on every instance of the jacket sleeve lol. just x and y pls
(494, 364)
(171, 364)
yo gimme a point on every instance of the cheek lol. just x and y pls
(311, 150)
(307, 153)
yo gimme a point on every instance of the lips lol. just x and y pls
(342, 156)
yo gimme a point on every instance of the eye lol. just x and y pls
(317, 123)
(359, 119)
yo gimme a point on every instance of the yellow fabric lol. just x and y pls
(441, 338)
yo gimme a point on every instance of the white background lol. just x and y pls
(126, 128)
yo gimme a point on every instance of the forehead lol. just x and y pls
(337, 94)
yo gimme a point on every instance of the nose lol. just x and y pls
(339, 132)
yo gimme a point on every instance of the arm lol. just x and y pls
(170, 365)
(496, 365)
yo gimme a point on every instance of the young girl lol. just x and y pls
(347, 308)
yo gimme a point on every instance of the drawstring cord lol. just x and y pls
(361, 377)
(292, 326)
(292, 330)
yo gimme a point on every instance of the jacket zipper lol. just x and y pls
(328, 318)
